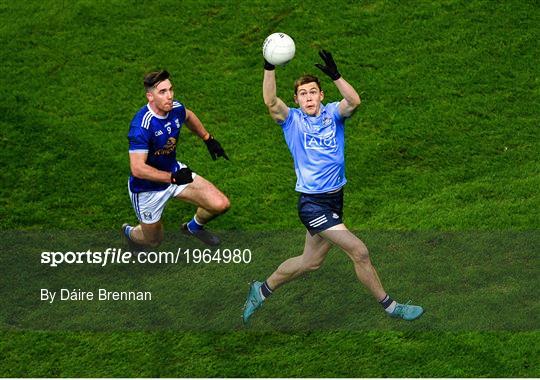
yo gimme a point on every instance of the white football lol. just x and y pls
(278, 49)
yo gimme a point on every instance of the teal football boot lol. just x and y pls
(254, 300)
(407, 312)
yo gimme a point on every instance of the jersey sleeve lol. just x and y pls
(285, 124)
(139, 138)
(334, 110)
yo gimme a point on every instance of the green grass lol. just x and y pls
(339, 354)
(446, 142)
(194, 296)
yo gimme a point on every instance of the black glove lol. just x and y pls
(182, 176)
(330, 69)
(268, 66)
(215, 149)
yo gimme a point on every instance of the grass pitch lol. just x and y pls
(445, 142)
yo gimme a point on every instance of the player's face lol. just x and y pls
(309, 97)
(161, 97)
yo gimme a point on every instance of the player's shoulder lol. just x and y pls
(331, 107)
(333, 110)
(179, 109)
(177, 104)
(294, 113)
(142, 118)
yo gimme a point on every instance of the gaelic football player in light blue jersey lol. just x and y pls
(314, 133)
(156, 175)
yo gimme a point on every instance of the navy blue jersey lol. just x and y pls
(157, 136)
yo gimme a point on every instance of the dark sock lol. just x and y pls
(386, 302)
(266, 290)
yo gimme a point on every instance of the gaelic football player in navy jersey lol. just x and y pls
(314, 133)
(156, 175)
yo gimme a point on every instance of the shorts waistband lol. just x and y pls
(334, 191)
(329, 193)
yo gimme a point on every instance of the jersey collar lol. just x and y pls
(323, 111)
(155, 114)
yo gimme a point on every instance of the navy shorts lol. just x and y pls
(319, 212)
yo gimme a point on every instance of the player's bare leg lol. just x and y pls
(211, 203)
(145, 235)
(359, 254)
(315, 251)
(366, 273)
(210, 200)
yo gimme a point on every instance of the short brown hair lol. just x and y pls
(305, 79)
(154, 78)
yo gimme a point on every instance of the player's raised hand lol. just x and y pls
(215, 149)
(330, 67)
(268, 66)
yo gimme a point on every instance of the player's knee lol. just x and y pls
(313, 265)
(226, 204)
(221, 205)
(360, 255)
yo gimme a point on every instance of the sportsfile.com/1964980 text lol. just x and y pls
(119, 256)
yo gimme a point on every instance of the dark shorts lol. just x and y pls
(319, 212)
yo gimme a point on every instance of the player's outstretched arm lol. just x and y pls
(351, 99)
(276, 107)
(196, 126)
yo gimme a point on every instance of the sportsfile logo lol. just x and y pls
(317, 141)
(119, 256)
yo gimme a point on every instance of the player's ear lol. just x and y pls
(322, 95)
(149, 96)
(295, 99)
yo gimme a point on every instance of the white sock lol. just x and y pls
(197, 220)
(391, 307)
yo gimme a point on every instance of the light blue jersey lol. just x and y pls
(317, 144)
